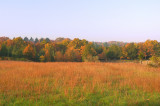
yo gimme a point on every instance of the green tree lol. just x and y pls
(87, 51)
(36, 40)
(26, 39)
(130, 51)
(141, 56)
(18, 47)
(114, 52)
(3, 50)
(31, 40)
(47, 40)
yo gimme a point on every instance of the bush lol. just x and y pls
(155, 60)
(91, 59)
(42, 58)
(21, 59)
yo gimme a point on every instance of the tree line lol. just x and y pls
(76, 50)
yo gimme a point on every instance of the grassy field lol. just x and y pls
(85, 84)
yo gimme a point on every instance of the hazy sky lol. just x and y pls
(94, 20)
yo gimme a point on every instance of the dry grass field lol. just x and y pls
(60, 83)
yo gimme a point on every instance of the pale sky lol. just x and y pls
(94, 20)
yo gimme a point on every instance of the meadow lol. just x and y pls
(78, 83)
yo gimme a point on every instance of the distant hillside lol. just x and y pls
(118, 43)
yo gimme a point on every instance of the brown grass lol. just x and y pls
(41, 78)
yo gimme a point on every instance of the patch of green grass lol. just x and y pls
(120, 96)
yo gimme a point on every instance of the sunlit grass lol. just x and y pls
(78, 84)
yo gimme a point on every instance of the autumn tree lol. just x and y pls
(49, 52)
(59, 47)
(158, 50)
(29, 52)
(72, 54)
(64, 49)
(9, 44)
(152, 47)
(77, 43)
(103, 54)
(141, 51)
(59, 56)
(149, 48)
(88, 52)
(43, 42)
(65, 42)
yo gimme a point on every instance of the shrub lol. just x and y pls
(42, 58)
(91, 59)
(155, 60)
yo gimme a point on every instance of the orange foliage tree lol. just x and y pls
(59, 56)
(29, 52)
(72, 54)
(48, 52)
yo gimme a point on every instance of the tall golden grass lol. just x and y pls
(42, 78)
